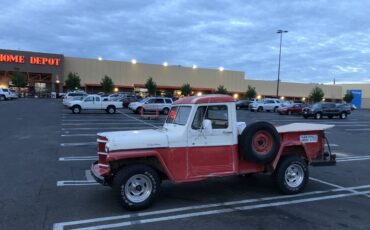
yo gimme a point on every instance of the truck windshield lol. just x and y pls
(178, 115)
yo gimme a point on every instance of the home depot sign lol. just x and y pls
(34, 60)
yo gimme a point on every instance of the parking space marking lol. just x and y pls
(144, 122)
(79, 135)
(88, 175)
(356, 130)
(76, 183)
(347, 159)
(80, 158)
(77, 144)
(116, 123)
(226, 207)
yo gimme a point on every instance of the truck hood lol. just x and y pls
(136, 139)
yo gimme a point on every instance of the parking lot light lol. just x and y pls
(195, 66)
(115, 89)
(100, 58)
(199, 94)
(236, 96)
(165, 64)
(133, 61)
(221, 68)
(57, 81)
(303, 99)
(259, 97)
(282, 98)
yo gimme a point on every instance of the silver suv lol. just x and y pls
(265, 105)
(5, 94)
(161, 104)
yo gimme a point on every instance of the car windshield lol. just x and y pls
(144, 100)
(179, 115)
(316, 106)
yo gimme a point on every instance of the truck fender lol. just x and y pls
(290, 148)
(139, 156)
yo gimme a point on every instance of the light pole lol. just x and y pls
(278, 80)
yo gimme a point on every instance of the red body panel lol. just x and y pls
(214, 98)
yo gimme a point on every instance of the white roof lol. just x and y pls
(294, 127)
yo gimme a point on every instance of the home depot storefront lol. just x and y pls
(44, 71)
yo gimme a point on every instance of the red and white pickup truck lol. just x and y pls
(201, 138)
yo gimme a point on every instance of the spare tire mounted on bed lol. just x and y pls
(259, 142)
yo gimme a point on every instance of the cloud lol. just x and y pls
(324, 41)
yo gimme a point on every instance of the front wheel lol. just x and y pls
(343, 115)
(136, 186)
(291, 175)
(76, 109)
(111, 109)
(2, 98)
(318, 116)
(165, 111)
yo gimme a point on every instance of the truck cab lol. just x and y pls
(94, 102)
(201, 138)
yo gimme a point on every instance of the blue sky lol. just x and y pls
(326, 39)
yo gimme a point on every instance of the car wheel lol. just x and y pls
(275, 109)
(111, 109)
(318, 116)
(259, 109)
(305, 116)
(138, 110)
(343, 115)
(289, 113)
(165, 111)
(76, 109)
(237, 107)
(136, 186)
(291, 175)
(2, 98)
(260, 142)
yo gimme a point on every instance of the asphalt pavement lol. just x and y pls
(46, 152)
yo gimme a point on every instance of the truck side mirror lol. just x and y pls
(207, 126)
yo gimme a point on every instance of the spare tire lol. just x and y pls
(259, 142)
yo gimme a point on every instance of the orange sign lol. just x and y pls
(34, 60)
(11, 58)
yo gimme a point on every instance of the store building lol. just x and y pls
(47, 72)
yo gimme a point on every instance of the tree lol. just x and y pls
(151, 86)
(316, 94)
(251, 92)
(221, 90)
(107, 84)
(19, 79)
(186, 89)
(73, 81)
(348, 97)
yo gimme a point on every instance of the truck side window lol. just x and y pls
(97, 99)
(89, 99)
(218, 115)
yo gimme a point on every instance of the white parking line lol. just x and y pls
(76, 183)
(109, 128)
(81, 158)
(88, 175)
(147, 123)
(116, 123)
(77, 144)
(356, 130)
(59, 226)
(79, 135)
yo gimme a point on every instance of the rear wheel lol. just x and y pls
(111, 109)
(136, 186)
(305, 116)
(138, 110)
(259, 109)
(289, 112)
(275, 109)
(343, 115)
(2, 98)
(318, 116)
(237, 107)
(76, 109)
(165, 111)
(291, 175)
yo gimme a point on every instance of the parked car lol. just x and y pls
(161, 104)
(13, 94)
(242, 104)
(5, 94)
(292, 109)
(129, 99)
(73, 96)
(94, 102)
(326, 109)
(202, 139)
(268, 104)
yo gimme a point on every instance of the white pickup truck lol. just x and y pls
(94, 102)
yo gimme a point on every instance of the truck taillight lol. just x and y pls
(102, 150)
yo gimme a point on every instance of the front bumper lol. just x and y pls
(98, 173)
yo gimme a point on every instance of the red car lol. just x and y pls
(293, 109)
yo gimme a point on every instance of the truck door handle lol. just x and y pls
(227, 131)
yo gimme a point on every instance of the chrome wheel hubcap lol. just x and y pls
(294, 175)
(138, 188)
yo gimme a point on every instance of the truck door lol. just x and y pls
(97, 103)
(88, 103)
(211, 153)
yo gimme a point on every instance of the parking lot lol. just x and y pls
(46, 153)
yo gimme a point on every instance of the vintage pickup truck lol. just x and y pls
(94, 102)
(201, 138)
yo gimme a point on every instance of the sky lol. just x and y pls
(326, 40)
